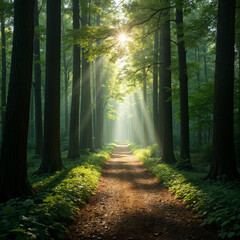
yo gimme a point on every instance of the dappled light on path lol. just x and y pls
(131, 204)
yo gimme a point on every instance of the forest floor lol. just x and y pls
(130, 203)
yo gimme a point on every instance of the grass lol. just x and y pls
(217, 202)
(58, 198)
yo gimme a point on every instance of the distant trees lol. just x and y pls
(13, 164)
(51, 160)
(224, 161)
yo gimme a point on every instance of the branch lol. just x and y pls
(114, 8)
(152, 15)
(174, 42)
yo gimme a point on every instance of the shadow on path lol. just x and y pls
(131, 204)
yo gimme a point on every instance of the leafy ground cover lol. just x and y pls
(217, 202)
(58, 198)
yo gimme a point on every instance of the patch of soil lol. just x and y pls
(130, 203)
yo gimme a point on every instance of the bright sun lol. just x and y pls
(122, 38)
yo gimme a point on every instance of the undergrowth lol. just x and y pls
(58, 198)
(217, 202)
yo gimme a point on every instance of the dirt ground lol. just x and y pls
(129, 203)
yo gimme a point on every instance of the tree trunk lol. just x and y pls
(197, 59)
(37, 85)
(13, 165)
(52, 161)
(183, 78)
(205, 65)
(168, 154)
(4, 70)
(31, 126)
(86, 141)
(99, 99)
(66, 81)
(160, 98)
(155, 88)
(144, 109)
(223, 161)
(74, 118)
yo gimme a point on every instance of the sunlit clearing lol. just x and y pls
(133, 121)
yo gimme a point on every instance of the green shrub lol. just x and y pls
(44, 215)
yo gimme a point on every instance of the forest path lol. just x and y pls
(129, 203)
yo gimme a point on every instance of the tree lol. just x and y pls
(86, 141)
(168, 154)
(4, 67)
(37, 84)
(51, 160)
(73, 151)
(99, 98)
(183, 78)
(13, 163)
(223, 161)
(144, 108)
(155, 88)
(160, 96)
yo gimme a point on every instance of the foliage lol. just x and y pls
(58, 198)
(217, 202)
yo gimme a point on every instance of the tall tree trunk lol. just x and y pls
(66, 82)
(223, 161)
(160, 97)
(51, 160)
(86, 141)
(73, 151)
(168, 154)
(155, 88)
(13, 164)
(144, 110)
(99, 98)
(4, 69)
(205, 65)
(37, 85)
(31, 126)
(94, 102)
(183, 78)
(197, 59)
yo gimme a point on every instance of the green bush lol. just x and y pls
(44, 215)
(216, 202)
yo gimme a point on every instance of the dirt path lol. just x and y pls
(129, 203)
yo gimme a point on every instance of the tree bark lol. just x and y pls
(13, 164)
(86, 141)
(155, 88)
(99, 99)
(51, 160)
(197, 59)
(37, 85)
(160, 97)
(31, 125)
(66, 82)
(73, 151)
(144, 109)
(223, 161)
(168, 154)
(183, 78)
(4, 70)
